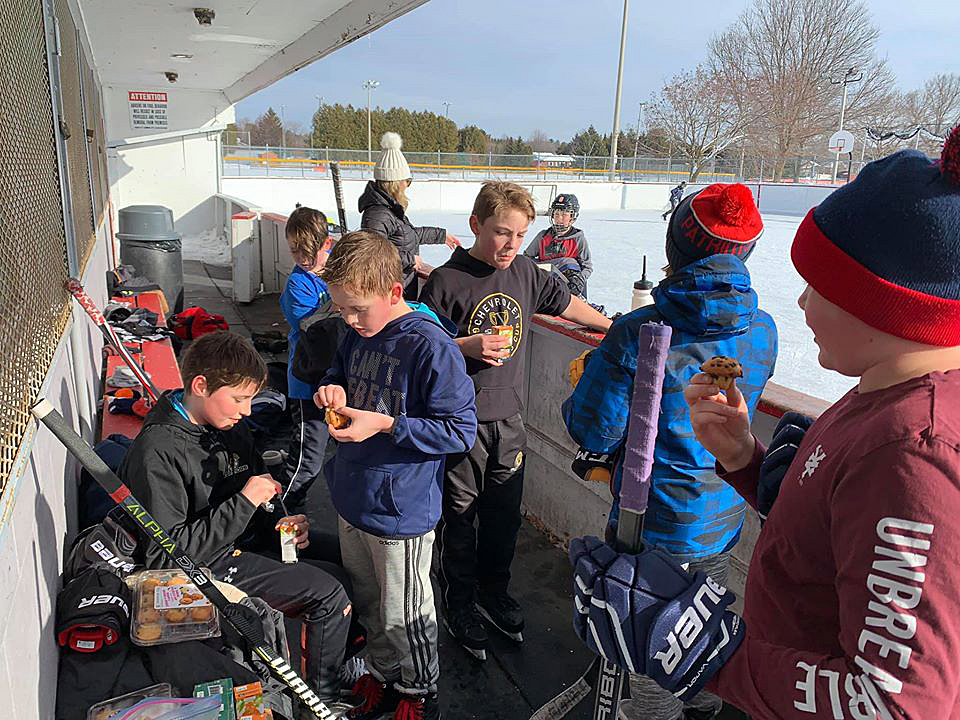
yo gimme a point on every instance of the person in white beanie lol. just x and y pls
(383, 206)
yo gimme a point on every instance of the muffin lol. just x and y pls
(723, 370)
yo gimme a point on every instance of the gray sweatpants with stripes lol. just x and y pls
(393, 598)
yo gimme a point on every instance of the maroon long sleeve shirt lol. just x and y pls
(852, 602)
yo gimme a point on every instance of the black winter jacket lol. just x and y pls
(385, 215)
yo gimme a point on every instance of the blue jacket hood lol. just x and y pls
(708, 298)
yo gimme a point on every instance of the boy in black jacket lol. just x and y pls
(490, 292)
(195, 467)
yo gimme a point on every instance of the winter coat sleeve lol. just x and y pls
(158, 481)
(583, 257)
(300, 299)
(532, 250)
(894, 536)
(427, 235)
(597, 411)
(387, 224)
(449, 424)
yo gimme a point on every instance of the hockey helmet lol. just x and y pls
(564, 202)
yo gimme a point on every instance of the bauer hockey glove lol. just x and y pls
(786, 439)
(648, 615)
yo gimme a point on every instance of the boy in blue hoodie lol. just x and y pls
(708, 302)
(309, 242)
(400, 383)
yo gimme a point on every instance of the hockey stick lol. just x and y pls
(653, 346)
(74, 287)
(338, 194)
(48, 415)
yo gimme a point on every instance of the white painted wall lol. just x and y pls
(38, 518)
(181, 173)
(279, 194)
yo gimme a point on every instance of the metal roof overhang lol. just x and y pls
(249, 44)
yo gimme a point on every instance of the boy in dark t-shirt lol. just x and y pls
(490, 293)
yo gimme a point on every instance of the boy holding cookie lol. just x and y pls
(708, 302)
(850, 608)
(490, 292)
(397, 399)
(195, 467)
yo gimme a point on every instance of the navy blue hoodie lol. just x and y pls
(389, 485)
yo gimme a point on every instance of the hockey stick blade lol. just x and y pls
(338, 194)
(75, 288)
(120, 493)
(571, 696)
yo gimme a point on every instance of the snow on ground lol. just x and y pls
(207, 247)
(618, 240)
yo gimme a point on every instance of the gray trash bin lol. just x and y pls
(149, 243)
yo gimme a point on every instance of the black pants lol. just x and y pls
(312, 589)
(305, 452)
(483, 486)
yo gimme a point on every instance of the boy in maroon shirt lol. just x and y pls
(851, 604)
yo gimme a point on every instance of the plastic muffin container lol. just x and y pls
(168, 608)
(108, 708)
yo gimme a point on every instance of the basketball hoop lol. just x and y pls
(841, 142)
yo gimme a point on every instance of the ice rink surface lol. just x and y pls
(618, 240)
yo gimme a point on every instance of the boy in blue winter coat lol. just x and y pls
(400, 383)
(709, 303)
(309, 241)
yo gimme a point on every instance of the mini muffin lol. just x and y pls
(149, 584)
(335, 419)
(175, 615)
(203, 613)
(723, 370)
(149, 633)
(175, 580)
(149, 616)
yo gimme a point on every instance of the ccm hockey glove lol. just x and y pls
(786, 439)
(593, 467)
(648, 615)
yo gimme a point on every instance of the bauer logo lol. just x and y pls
(112, 560)
(104, 600)
(690, 624)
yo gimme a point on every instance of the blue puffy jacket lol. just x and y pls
(713, 311)
(389, 485)
(302, 295)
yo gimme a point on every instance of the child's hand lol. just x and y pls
(721, 422)
(260, 489)
(363, 424)
(302, 524)
(452, 241)
(331, 396)
(489, 348)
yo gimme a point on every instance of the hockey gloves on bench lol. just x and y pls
(649, 616)
(786, 439)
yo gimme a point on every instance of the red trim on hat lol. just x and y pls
(705, 206)
(888, 307)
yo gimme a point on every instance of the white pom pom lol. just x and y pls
(391, 141)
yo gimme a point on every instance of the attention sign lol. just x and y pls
(148, 110)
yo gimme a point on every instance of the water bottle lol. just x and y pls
(642, 290)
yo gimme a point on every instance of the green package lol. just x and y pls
(223, 688)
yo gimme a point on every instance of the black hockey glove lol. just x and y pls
(592, 466)
(786, 439)
(575, 282)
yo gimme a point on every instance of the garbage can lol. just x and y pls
(149, 243)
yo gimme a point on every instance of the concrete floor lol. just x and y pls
(515, 679)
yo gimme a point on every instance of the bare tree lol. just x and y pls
(539, 141)
(934, 107)
(699, 116)
(780, 57)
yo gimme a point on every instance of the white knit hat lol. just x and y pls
(392, 165)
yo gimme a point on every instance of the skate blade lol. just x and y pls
(478, 654)
(515, 636)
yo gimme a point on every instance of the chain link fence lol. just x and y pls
(246, 161)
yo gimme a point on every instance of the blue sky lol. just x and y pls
(512, 67)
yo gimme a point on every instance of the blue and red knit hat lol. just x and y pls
(720, 219)
(886, 247)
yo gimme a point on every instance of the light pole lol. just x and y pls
(369, 85)
(446, 109)
(850, 77)
(616, 103)
(636, 145)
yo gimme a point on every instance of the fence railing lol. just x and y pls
(245, 161)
